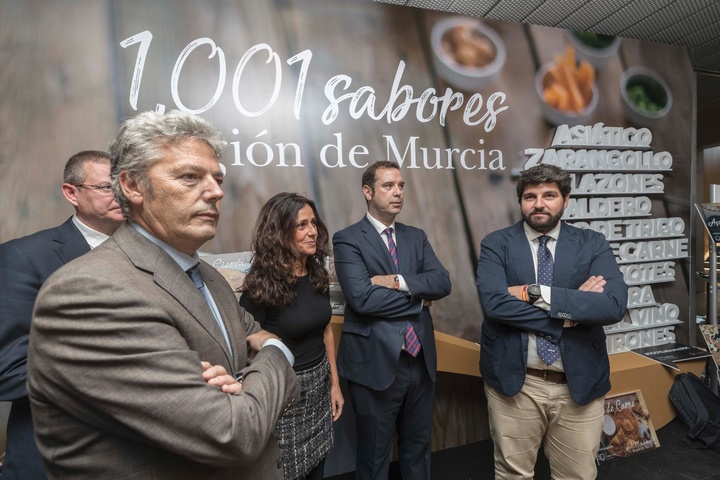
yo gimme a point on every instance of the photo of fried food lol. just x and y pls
(628, 424)
(618, 445)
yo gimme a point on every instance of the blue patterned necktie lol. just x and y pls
(546, 350)
(412, 342)
(196, 277)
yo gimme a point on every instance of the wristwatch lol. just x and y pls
(533, 292)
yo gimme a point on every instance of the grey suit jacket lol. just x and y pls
(114, 373)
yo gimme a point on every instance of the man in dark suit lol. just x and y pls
(389, 275)
(547, 289)
(115, 377)
(25, 264)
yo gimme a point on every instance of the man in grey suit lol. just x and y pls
(547, 289)
(389, 275)
(25, 264)
(115, 377)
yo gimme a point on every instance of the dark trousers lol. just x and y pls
(22, 458)
(407, 405)
(317, 473)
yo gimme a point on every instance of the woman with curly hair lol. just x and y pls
(287, 291)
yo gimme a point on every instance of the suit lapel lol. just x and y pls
(378, 244)
(404, 247)
(568, 245)
(521, 255)
(168, 275)
(227, 307)
(69, 242)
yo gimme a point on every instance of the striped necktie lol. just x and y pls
(412, 342)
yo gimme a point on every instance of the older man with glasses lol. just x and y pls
(25, 264)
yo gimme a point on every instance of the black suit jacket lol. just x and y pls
(25, 264)
(375, 316)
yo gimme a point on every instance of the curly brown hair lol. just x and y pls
(271, 278)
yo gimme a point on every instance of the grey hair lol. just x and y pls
(74, 172)
(142, 141)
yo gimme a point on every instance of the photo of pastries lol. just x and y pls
(627, 428)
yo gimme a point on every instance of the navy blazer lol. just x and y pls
(25, 264)
(375, 316)
(506, 260)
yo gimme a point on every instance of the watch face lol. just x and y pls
(534, 290)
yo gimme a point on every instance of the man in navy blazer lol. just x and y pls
(25, 264)
(533, 395)
(389, 275)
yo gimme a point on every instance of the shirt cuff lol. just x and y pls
(283, 348)
(403, 286)
(545, 293)
(544, 301)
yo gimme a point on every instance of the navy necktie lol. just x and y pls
(412, 342)
(546, 350)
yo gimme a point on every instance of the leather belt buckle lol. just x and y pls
(548, 375)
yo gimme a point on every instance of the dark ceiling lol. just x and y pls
(691, 23)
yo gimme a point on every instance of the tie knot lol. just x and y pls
(195, 275)
(543, 240)
(388, 231)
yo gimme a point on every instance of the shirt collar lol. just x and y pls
(184, 260)
(533, 234)
(379, 226)
(92, 236)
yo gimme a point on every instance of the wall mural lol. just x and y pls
(310, 92)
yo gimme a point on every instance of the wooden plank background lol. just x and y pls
(66, 80)
(64, 92)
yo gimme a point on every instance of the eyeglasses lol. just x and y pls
(104, 189)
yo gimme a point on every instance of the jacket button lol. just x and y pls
(402, 333)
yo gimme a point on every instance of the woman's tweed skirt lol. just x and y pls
(305, 432)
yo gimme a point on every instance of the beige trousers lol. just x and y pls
(544, 412)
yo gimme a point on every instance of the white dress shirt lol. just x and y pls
(92, 236)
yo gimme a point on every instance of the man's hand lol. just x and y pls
(256, 340)
(427, 303)
(217, 376)
(387, 281)
(593, 284)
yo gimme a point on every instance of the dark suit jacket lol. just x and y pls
(114, 372)
(506, 260)
(25, 264)
(375, 316)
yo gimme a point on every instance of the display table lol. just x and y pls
(628, 371)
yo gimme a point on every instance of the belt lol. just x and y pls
(549, 375)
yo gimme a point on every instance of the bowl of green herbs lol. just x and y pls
(646, 96)
(596, 48)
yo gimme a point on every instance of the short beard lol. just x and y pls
(546, 226)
